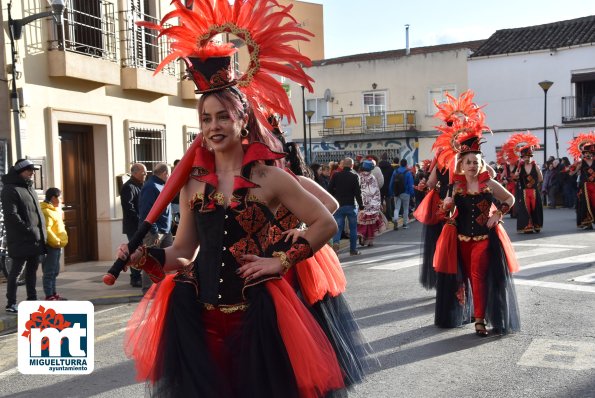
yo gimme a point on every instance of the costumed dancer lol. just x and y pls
(429, 212)
(529, 207)
(319, 280)
(582, 148)
(227, 324)
(474, 257)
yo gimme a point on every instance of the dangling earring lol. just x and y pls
(244, 134)
(204, 144)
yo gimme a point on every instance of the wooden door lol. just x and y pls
(78, 193)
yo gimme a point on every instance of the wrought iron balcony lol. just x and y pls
(578, 109)
(365, 123)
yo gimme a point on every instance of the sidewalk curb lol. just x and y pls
(9, 322)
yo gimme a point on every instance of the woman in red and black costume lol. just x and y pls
(228, 324)
(528, 203)
(457, 115)
(528, 206)
(319, 280)
(474, 257)
(582, 148)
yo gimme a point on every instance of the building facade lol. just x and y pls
(378, 102)
(506, 73)
(90, 105)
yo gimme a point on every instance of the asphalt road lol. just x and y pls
(553, 355)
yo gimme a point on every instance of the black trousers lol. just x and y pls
(31, 264)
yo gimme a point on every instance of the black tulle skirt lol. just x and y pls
(454, 303)
(279, 350)
(427, 274)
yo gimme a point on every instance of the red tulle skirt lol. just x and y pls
(429, 211)
(320, 275)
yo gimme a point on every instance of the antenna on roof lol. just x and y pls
(407, 50)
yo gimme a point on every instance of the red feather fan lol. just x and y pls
(575, 147)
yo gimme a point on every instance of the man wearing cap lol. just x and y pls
(25, 229)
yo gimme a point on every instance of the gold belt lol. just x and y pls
(478, 238)
(227, 309)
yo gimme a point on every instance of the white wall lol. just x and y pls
(508, 86)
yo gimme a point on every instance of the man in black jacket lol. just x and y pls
(345, 187)
(387, 172)
(25, 229)
(130, 219)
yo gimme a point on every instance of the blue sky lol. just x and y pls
(354, 27)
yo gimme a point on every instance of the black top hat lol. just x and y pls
(527, 151)
(589, 148)
(211, 74)
(470, 145)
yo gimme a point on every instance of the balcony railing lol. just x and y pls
(91, 31)
(577, 109)
(144, 49)
(364, 123)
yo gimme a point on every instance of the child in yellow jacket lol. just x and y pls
(57, 238)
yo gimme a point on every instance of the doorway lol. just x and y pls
(78, 192)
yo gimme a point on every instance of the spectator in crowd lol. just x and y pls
(370, 221)
(325, 176)
(401, 188)
(387, 171)
(57, 239)
(130, 218)
(569, 188)
(345, 187)
(555, 184)
(160, 233)
(376, 172)
(547, 175)
(25, 229)
(175, 207)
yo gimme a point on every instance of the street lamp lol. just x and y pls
(545, 85)
(310, 114)
(16, 32)
(304, 122)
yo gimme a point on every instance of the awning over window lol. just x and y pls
(582, 77)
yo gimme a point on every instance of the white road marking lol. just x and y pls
(538, 252)
(520, 244)
(589, 278)
(559, 354)
(555, 285)
(562, 262)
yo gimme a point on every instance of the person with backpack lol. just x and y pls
(401, 188)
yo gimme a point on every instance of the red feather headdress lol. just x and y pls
(266, 27)
(517, 143)
(501, 157)
(463, 120)
(577, 144)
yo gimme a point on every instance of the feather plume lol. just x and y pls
(516, 143)
(266, 27)
(575, 146)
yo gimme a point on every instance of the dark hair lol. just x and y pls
(396, 160)
(176, 162)
(51, 192)
(297, 165)
(403, 162)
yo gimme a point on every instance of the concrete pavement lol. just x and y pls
(80, 281)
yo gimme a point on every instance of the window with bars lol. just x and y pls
(191, 133)
(320, 108)
(147, 146)
(90, 28)
(144, 49)
(438, 94)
